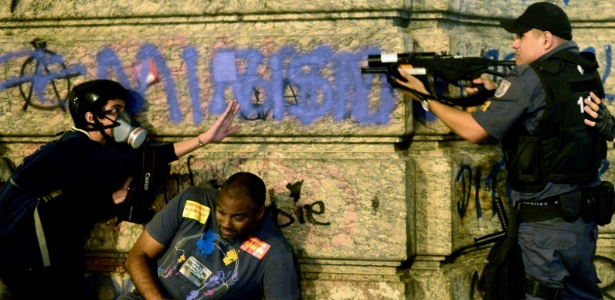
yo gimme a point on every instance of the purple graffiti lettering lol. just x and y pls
(248, 84)
(190, 56)
(107, 62)
(245, 85)
(359, 90)
(315, 93)
(224, 73)
(48, 68)
(150, 52)
(297, 85)
(12, 82)
(279, 82)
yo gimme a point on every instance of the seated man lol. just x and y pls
(232, 252)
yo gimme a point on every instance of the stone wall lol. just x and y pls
(391, 200)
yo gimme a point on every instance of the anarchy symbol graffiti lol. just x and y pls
(48, 79)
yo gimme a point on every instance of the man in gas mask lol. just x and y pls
(59, 192)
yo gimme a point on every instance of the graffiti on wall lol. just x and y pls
(287, 83)
(305, 86)
(301, 211)
(472, 184)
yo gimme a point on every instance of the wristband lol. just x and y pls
(425, 104)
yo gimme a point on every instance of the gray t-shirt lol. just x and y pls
(200, 264)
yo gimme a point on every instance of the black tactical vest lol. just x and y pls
(562, 148)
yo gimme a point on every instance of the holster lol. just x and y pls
(599, 203)
(570, 205)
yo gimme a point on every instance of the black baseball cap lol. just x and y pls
(544, 16)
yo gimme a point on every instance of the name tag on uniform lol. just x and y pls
(196, 211)
(195, 271)
(255, 247)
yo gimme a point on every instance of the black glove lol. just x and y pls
(605, 123)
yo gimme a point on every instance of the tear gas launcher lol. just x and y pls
(438, 72)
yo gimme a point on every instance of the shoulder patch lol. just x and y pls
(503, 88)
(196, 211)
(255, 247)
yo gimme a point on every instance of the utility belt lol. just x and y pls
(596, 203)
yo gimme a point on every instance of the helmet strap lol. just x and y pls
(97, 126)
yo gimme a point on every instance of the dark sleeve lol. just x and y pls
(166, 153)
(281, 274)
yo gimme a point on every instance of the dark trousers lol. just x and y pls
(45, 283)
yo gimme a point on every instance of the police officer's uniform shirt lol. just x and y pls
(520, 97)
(200, 264)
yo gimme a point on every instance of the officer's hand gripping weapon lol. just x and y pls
(434, 70)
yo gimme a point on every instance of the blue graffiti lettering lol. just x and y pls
(190, 56)
(607, 68)
(48, 67)
(150, 52)
(462, 204)
(313, 94)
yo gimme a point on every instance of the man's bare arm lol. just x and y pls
(141, 265)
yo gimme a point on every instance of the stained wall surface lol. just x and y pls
(378, 198)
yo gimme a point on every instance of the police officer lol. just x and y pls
(59, 192)
(551, 155)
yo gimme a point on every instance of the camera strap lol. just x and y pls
(40, 236)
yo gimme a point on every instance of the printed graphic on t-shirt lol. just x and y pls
(255, 247)
(231, 256)
(195, 271)
(196, 211)
(212, 265)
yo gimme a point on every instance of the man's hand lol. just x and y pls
(603, 121)
(219, 131)
(222, 128)
(412, 83)
(488, 83)
(120, 195)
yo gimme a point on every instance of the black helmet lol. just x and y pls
(92, 96)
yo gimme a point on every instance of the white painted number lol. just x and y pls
(580, 103)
